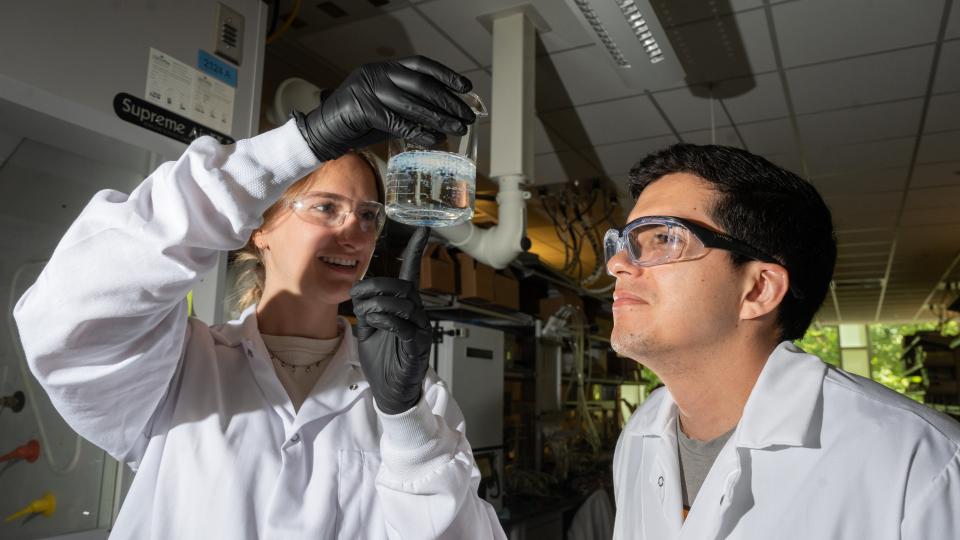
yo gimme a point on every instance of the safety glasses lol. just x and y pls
(656, 240)
(331, 210)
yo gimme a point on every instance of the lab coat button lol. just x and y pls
(353, 386)
(660, 481)
(295, 438)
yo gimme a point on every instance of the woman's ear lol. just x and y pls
(767, 284)
(260, 240)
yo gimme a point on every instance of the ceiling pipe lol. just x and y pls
(511, 144)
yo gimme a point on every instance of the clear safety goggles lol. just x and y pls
(331, 210)
(656, 240)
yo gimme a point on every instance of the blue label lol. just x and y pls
(213, 66)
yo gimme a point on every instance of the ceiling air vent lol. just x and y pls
(229, 34)
(331, 9)
(857, 284)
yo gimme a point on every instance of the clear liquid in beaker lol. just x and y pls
(431, 188)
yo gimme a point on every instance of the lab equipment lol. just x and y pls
(434, 185)
(61, 141)
(45, 505)
(28, 452)
(470, 359)
(14, 401)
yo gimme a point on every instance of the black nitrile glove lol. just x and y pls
(393, 332)
(412, 98)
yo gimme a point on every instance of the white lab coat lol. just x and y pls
(198, 411)
(818, 453)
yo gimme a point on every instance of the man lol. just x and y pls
(724, 260)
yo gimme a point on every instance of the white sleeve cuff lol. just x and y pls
(410, 429)
(276, 158)
(415, 443)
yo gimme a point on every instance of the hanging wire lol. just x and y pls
(286, 24)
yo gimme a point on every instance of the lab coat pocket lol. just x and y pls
(358, 511)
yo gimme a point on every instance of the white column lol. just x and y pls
(855, 349)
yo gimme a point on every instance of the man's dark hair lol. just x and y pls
(768, 207)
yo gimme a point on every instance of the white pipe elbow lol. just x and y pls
(501, 244)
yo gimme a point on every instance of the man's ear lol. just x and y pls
(766, 285)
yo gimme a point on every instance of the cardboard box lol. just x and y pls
(506, 289)
(939, 359)
(437, 272)
(558, 297)
(476, 280)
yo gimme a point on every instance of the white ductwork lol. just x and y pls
(511, 144)
(501, 244)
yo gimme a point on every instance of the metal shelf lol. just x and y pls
(595, 404)
(598, 380)
(449, 306)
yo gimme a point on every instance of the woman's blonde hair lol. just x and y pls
(248, 260)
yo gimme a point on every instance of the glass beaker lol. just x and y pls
(435, 185)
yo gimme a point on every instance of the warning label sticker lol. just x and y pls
(184, 90)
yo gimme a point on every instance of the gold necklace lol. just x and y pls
(293, 367)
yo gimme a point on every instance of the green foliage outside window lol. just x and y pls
(886, 348)
(822, 341)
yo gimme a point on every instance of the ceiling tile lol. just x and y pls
(936, 174)
(934, 197)
(859, 81)
(861, 182)
(769, 137)
(953, 27)
(577, 77)
(561, 167)
(545, 142)
(861, 124)
(865, 210)
(608, 122)
(939, 147)
(618, 158)
(948, 76)
(459, 20)
(725, 136)
(883, 202)
(762, 102)
(873, 237)
(853, 157)
(857, 219)
(396, 34)
(944, 113)
(673, 13)
(688, 112)
(819, 30)
(8, 143)
(710, 60)
(788, 160)
(932, 216)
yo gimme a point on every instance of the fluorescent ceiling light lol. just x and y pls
(633, 38)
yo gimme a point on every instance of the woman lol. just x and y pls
(280, 424)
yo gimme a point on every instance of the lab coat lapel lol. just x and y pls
(665, 479)
(341, 384)
(661, 516)
(262, 368)
(784, 409)
(721, 498)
